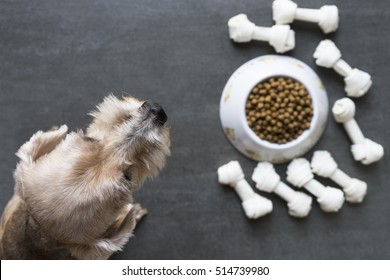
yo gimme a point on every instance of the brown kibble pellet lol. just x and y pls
(279, 109)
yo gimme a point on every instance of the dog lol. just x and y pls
(73, 192)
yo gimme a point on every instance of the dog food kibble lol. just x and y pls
(279, 109)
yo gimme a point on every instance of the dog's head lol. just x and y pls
(134, 133)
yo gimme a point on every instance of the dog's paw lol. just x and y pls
(53, 128)
(139, 212)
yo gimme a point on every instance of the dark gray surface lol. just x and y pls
(58, 59)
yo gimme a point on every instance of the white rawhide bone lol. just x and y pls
(266, 178)
(323, 164)
(286, 11)
(357, 82)
(299, 174)
(241, 30)
(254, 205)
(363, 149)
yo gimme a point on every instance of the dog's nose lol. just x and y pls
(156, 110)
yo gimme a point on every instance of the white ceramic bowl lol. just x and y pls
(235, 94)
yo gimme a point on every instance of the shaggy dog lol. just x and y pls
(73, 192)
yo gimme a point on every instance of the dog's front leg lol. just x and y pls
(116, 236)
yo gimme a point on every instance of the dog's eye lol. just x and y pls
(90, 139)
(122, 119)
(146, 105)
(127, 174)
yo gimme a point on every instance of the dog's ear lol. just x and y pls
(41, 143)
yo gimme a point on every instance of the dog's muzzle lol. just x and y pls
(155, 110)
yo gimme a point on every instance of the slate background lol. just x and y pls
(58, 59)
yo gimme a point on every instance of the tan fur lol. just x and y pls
(73, 192)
